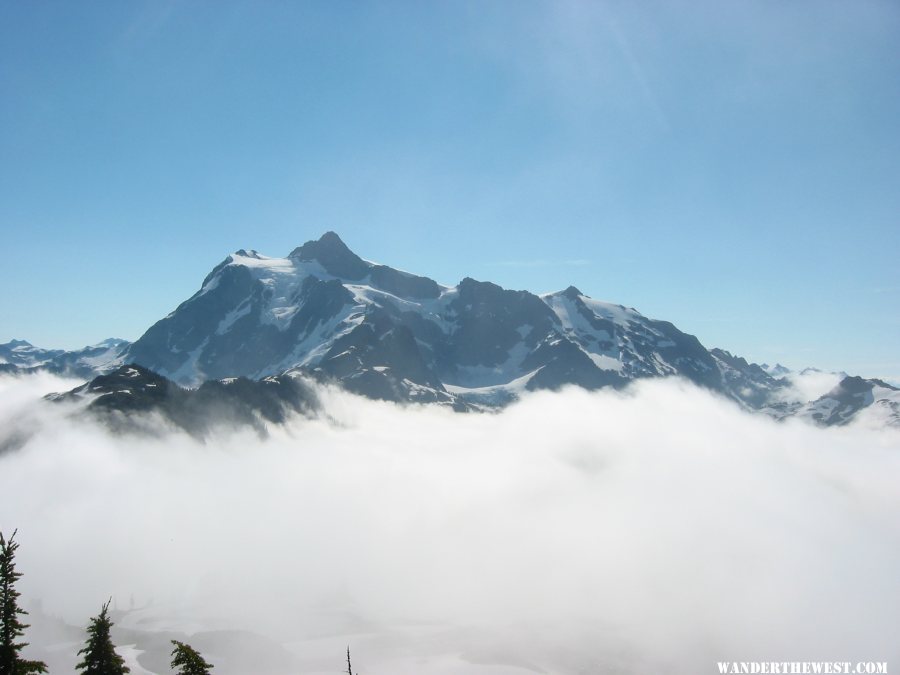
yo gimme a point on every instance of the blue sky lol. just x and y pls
(731, 167)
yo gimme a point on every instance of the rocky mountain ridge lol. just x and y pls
(325, 312)
(125, 397)
(391, 334)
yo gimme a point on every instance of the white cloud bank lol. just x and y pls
(657, 531)
(810, 384)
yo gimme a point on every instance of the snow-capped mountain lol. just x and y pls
(326, 313)
(88, 361)
(854, 395)
(395, 335)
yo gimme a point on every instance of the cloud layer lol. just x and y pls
(657, 530)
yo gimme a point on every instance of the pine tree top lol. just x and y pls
(188, 661)
(11, 627)
(100, 657)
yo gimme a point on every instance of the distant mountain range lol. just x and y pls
(19, 355)
(325, 313)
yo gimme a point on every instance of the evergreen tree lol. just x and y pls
(188, 661)
(100, 656)
(11, 627)
(349, 666)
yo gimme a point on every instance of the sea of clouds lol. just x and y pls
(660, 529)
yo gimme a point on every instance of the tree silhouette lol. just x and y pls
(188, 661)
(349, 667)
(11, 627)
(100, 656)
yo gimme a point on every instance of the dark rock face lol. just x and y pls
(128, 389)
(338, 260)
(561, 362)
(125, 398)
(746, 382)
(381, 359)
(488, 321)
(334, 256)
(402, 284)
(169, 344)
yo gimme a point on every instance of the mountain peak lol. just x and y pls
(332, 253)
(110, 342)
(331, 238)
(328, 242)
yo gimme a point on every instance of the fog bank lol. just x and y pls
(660, 529)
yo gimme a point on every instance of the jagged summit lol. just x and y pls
(328, 241)
(332, 253)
